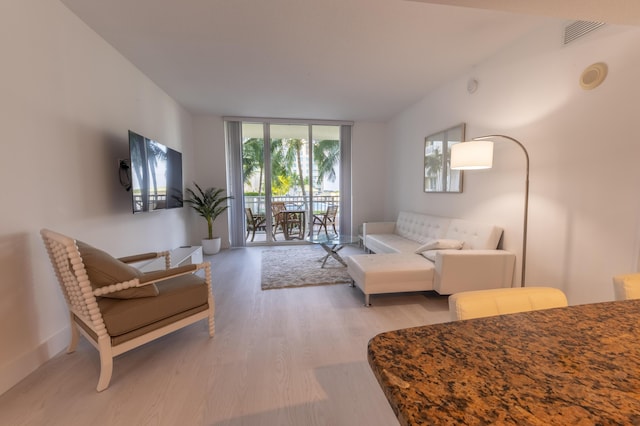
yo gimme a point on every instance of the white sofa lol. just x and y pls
(402, 263)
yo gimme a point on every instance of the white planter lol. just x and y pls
(211, 246)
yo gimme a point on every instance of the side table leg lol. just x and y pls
(333, 252)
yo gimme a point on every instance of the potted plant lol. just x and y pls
(209, 203)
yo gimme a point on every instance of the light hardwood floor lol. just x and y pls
(279, 357)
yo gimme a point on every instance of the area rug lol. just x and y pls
(299, 266)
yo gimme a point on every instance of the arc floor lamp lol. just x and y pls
(478, 154)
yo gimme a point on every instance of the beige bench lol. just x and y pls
(501, 301)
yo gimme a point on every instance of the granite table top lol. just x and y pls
(578, 365)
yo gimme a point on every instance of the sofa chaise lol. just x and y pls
(420, 252)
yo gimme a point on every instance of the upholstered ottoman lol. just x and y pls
(390, 273)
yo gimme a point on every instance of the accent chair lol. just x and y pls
(116, 307)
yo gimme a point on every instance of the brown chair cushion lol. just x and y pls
(176, 295)
(104, 269)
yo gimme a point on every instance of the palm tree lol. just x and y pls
(282, 176)
(138, 167)
(286, 158)
(145, 156)
(253, 160)
(293, 154)
(326, 154)
(433, 166)
(156, 153)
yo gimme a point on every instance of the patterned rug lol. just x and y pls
(299, 266)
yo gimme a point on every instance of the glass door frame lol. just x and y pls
(345, 172)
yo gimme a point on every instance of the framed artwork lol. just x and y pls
(438, 176)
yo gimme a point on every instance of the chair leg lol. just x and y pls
(75, 336)
(212, 305)
(253, 235)
(211, 323)
(106, 363)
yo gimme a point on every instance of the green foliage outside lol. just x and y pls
(286, 155)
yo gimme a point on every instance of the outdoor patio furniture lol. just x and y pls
(277, 209)
(326, 219)
(254, 223)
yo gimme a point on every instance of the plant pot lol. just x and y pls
(211, 246)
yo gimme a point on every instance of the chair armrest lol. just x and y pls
(146, 279)
(144, 256)
(155, 276)
(465, 270)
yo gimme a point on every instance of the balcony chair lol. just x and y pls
(627, 286)
(118, 308)
(500, 301)
(254, 223)
(277, 209)
(326, 219)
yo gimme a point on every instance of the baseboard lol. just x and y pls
(12, 373)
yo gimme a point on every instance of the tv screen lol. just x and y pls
(156, 175)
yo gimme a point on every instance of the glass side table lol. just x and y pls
(332, 244)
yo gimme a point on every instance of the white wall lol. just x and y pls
(370, 172)
(68, 100)
(211, 166)
(584, 204)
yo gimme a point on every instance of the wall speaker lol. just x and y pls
(593, 76)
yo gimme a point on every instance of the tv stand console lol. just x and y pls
(180, 256)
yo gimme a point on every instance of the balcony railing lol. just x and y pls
(292, 202)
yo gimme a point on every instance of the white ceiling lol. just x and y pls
(323, 59)
(623, 12)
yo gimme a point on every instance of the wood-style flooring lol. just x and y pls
(279, 357)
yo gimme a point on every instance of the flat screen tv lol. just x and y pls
(156, 175)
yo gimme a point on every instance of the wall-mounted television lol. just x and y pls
(156, 175)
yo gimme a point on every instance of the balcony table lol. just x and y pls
(292, 218)
(573, 365)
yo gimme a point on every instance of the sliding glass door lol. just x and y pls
(291, 179)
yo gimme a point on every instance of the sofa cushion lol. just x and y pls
(421, 227)
(478, 236)
(391, 272)
(104, 269)
(391, 243)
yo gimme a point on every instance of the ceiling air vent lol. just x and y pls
(577, 29)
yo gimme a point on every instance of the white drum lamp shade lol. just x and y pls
(472, 155)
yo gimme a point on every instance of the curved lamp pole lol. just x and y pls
(479, 155)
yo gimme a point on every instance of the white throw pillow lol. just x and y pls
(442, 244)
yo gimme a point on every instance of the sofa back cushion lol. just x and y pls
(421, 227)
(477, 236)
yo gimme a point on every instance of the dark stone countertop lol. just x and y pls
(578, 365)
